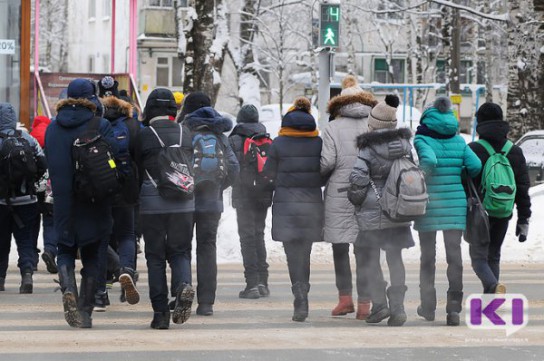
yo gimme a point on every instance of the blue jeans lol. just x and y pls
(24, 236)
(123, 235)
(167, 237)
(49, 234)
(206, 256)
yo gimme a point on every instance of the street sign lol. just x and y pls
(329, 25)
(7, 46)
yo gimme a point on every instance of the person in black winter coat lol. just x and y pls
(167, 224)
(209, 201)
(251, 205)
(79, 225)
(123, 238)
(486, 257)
(297, 211)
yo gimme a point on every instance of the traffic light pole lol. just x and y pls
(323, 91)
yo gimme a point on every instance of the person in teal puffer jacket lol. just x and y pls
(443, 154)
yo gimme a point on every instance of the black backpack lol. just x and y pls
(18, 168)
(96, 177)
(175, 178)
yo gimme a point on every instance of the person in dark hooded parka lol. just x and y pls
(251, 205)
(79, 225)
(208, 196)
(297, 208)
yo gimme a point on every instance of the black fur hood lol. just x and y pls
(382, 136)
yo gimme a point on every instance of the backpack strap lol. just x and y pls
(157, 135)
(488, 147)
(507, 147)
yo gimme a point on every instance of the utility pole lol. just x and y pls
(455, 82)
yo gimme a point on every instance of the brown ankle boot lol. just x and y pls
(363, 310)
(344, 306)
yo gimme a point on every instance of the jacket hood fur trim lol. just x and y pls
(123, 107)
(339, 101)
(76, 102)
(382, 136)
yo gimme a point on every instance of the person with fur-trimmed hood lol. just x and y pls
(443, 155)
(297, 208)
(123, 239)
(79, 225)
(349, 111)
(378, 149)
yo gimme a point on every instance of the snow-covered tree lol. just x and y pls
(53, 35)
(206, 41)
(526, 68)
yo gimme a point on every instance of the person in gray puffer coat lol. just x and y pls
(350, 111)
(378, 149)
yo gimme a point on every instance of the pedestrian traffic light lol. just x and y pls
(329, 25)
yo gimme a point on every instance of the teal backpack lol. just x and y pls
(498, 181)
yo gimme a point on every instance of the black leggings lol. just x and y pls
(342, 268)
(298, 260)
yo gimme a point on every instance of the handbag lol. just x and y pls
(477, 225)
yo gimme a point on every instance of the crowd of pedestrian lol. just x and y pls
(102, 174)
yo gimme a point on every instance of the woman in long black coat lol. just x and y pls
(297, 210)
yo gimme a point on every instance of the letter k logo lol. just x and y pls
(490, 311)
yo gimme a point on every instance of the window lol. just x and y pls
(169, 72)
(391, 5)
(106, 65)
(106, 9)
(160, 3)
(92, 9)
(91, 64)
(381, 72)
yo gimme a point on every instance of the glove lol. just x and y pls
(522, 229)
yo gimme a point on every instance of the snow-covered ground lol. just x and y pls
(228, 245)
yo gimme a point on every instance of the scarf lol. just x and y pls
(424, 130)
(297, 133)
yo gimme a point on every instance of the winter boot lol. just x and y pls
(250, 293)
(300, 291)
(428, 303)
(264, 291)
(86, 301)
(128, 284)
(2, 284)
(363, 310)
(68, 287)
(101, 301)
(161, 320)
(453, 307)
(184, 301)
(379, 311)
(49, 261)
(396, 305)
(344, 306)
(26, 282)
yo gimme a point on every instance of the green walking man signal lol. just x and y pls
(329, 25)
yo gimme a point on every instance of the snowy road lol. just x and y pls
(32, 326)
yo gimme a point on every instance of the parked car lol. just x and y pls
(532, 144)
(270, 116)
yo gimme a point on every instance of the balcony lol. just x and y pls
(157, 22)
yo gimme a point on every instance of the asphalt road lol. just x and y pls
(32, 327)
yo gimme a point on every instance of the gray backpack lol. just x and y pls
(404, 195)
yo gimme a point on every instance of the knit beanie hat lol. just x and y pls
(384, 114)
(248, 114)
(299, 115)
(489, 111)
(107, 87)
(350, 86)
(160, 102)
(84, 89)
(192, 102)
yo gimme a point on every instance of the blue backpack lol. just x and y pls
(209, 163)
